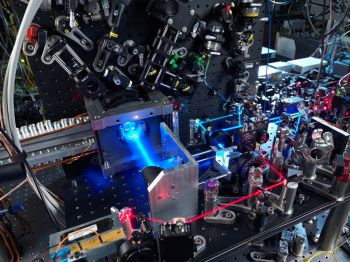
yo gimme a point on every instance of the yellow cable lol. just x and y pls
(28, 64)
(5, 9)
(28, 78)
(336, 257)
(332, 252)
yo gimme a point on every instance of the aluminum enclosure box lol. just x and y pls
(173, 191)
(115, 153)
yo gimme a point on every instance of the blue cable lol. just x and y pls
(268, 49)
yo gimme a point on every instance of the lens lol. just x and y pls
(131, 130)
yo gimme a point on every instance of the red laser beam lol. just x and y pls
(155, 220)
(256, 193)
(275, 170)
(126, 215)
(222, 207)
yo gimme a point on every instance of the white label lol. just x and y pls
(82, 232)
(249, 65)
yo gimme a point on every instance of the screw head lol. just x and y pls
(228, 215)
(117, 82)
(116, 48)
(198, 241)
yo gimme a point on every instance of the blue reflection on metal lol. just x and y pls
(224, 156)
(170, 163)
(205, 164)
(95, 178)
(131, 130)
(221, 146)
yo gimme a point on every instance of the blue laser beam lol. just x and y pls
(232, 128)
(298, 123)
(296, 115)
(201, 125)
(274, 118)
(240, 117)
(143, 151)
(216, 119)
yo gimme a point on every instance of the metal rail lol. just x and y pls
(48, 142)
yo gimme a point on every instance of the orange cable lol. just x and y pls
(12, 242)
(66, 161)
(73, 233)
(8, 246)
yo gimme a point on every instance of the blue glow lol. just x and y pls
(221, 146)
(169, 163)
(95, 178)
(131, 130)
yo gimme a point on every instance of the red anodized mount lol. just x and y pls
(32, 33)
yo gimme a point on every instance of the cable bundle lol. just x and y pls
(7, 121)
(304, 7)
